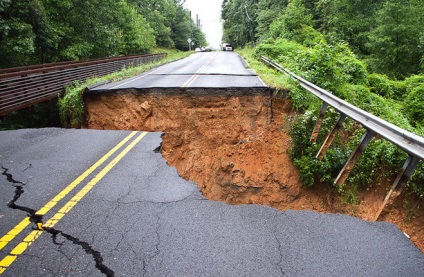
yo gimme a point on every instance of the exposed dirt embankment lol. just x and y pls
(231, 143)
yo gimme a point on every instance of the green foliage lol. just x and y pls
(352, 69)
(388, 34)
(381, 84)
(414, 106)
(417, 181)
(181, 30)
(41, 31)
(326, 65)
(381, 159)
(267, 12)
(239, 21)
(301, 98)
(291, 23)
(308, 36)
(171, 23)
(394, 40)
(160, 13)
(350, 195)
(136, 34)
(17, 39)
(348, 20)
(17, 44)
(71, 105)
(303, 152)
(407, 85)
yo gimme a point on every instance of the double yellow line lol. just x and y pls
(196, 75)
(33, 236)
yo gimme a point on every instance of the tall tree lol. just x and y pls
(240, 22)
(268, 11)
(36, 31)
(17, 39)
(290, 24)
(349, 21)
(160, 14)
(396, 41)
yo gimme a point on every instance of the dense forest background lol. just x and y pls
(367, 52)
(388, 34)
(41, 31)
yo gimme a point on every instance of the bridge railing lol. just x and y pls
(22, 87)
(409, 142)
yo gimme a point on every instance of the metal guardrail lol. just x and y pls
(409, 142)
(22, 87)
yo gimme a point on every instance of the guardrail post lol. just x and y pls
(400, 182)
(331, 136)
(320, 118)
(354, 157)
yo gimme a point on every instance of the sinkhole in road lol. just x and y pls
(233, 144)
(228, 141)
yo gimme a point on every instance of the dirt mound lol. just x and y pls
(232, 144)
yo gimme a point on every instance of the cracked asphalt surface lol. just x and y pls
(144, 220)
(200, 70)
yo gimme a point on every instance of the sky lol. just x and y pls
(209, 12)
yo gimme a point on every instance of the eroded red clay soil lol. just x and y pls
(235, 149)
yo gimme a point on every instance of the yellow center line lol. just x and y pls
(194, 77)
(25, 222)
(21, 247)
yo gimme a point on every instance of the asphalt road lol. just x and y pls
(204, 69)
(134, 216)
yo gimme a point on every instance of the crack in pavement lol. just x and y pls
(148, 258)
(97, 256)
(19, 190)
(280, 247)
(38, 220)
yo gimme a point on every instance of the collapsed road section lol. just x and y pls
(228, 141)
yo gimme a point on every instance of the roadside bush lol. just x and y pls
(414, 106)
(381, 84)
(71, 106)
(381, 159)
(290, 23)
(352, 70)
(325, 65)
(301, 99)
(308, 36)
(303, 151)
(417, 181)
(281, 50)
(404, 87)
(318, 65)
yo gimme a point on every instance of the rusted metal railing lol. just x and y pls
(22, 87)
(409, 142)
